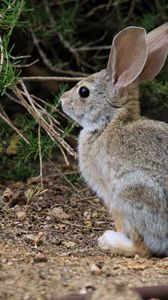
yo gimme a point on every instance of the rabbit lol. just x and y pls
(123, 156)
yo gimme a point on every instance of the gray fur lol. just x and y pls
(124, 159)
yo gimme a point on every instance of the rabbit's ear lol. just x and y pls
(127, 58)
(157, 42)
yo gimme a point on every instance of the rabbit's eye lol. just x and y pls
(83, 92)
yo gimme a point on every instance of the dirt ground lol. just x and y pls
(48, 242)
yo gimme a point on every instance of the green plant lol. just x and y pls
(8, 74)
(67, 39)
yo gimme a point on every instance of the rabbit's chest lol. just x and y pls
(94, 166)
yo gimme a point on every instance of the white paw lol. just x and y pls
(114, 241)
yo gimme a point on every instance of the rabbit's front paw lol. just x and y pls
(116, 242)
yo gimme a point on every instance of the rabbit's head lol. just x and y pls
(134, 57)
(86, 102)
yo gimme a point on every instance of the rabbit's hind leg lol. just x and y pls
(117, 243)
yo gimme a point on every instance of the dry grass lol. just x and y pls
(37, 111)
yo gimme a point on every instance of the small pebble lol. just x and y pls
(95, 270)
(40, 257)
(21, 215)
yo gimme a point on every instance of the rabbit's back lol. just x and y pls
(142, 145)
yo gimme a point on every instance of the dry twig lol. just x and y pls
(47, 62)
(55, 78)
(6, 119)
(27, 65)
(48, 125)
(62, 175)
(99, 7)
(1, 54)
(40, 155)
(93, 48)
(60, 36)
(54, 109)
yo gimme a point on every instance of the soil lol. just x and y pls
(48, 241)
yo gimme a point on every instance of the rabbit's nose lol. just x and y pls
(64, 98)
(65, 102)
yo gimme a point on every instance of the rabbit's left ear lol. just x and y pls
(127, 58)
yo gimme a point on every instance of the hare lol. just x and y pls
(123, 156)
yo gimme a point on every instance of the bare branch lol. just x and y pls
(5, 118)
(100, 7)
(93, 48)
(27, 101)
(20, 57)
(55, 78)
(27, 65)
(47, 62)
(60, 36)
(1, 54)
(64, 176)
(40, 155)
